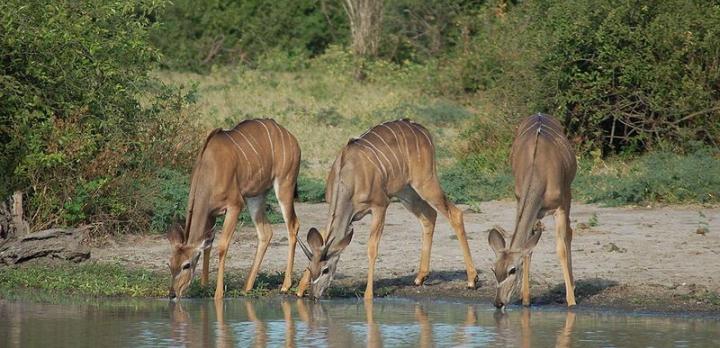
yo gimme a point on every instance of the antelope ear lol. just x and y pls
(531, 242)
(496, 240)
(314, 239)
(341, 245)
(176, 235)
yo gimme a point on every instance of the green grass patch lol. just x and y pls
(656, 177)
(310, 190)
(93, 279)
(115, 280)
(659, 177)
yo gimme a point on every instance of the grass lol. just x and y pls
(659, 177)
(98, 279)
(323, 109)
(115, 280)
(93, 279)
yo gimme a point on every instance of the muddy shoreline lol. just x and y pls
(637, 258)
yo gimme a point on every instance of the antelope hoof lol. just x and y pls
(472, 284)
(219, 297)
(420, 280)
(283, 290)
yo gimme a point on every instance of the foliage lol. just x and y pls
(170, 202)
(77, 124)
(632, 75)
(197, 34)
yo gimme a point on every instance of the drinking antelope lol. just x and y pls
(234, 169)
(543, 164)
(393, 159)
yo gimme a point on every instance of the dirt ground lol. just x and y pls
(638, 258)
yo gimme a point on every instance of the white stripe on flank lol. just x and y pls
(423, 131)
(407, 149)
(282, 139)
(390, 148)
(417, 146)
(238, 146)
(384, 171)
(272, 147)
(371, 161)
(536, 124)
(397, 141)
(378, 150)
(262, 171)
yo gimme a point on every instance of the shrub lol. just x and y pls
(197, 34)
(79, 123)
(632, 75)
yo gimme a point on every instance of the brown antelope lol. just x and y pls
(393, 159)
(543, 164)
(234, 169)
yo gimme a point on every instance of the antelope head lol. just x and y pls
(508, 265)
(323, 256)
(183, 259)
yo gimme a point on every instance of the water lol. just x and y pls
(290, 322)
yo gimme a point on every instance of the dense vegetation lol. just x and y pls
(93, 132)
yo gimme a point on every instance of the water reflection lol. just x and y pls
(291, 322)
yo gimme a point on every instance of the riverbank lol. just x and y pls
(645, 259)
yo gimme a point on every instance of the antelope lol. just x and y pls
(392, 159)
(234, 169)
(544, 166)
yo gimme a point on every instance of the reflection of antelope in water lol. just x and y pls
(502, 323)
(544, 166)
(236, 168)
(289, 324)
(374, 337)
(393, 159)
(224, 333)
(260, 326)
(426, 334)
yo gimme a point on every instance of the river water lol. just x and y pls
(291, 322)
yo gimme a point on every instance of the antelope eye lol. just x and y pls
(512, 271)
(186, 265)
(325, 271)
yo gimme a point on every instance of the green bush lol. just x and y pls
(632, 75)
(81, 121)
(197, 34)
(170, 202)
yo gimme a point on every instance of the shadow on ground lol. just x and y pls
(445, 283)
(584, 289)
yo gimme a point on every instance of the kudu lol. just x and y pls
(544, 166)
(234, 169)
(393, 159)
